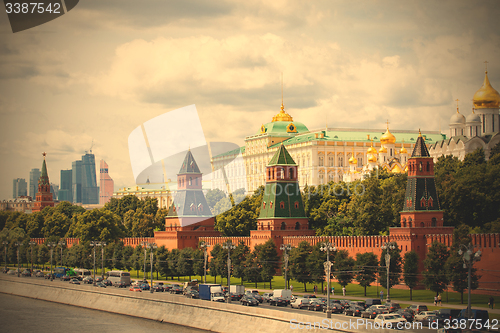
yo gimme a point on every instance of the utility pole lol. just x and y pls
(388, 246)
(229, 246)
(327, 247)
(469, 258)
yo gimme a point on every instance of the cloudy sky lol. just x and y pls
(106, 67)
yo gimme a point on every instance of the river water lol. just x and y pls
(20, 314)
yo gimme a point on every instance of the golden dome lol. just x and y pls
(353, 160)
(383, 150)
(486, 96)
(388, 138)
(372, 158)
(282, 115)
(403, 149)
(371, 150)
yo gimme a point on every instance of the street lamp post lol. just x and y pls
(388, 246)
(327, 246)
(61, 244)
(469, 257)
(286, 248)
(103, 244)
(18, 269)
(5, 243)
(31, 246)
(145, 245)
(229, 246)
(151, 247)
(205, 247)
(94, 244)
(51, 246)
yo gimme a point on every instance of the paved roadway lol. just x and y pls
(346, 322)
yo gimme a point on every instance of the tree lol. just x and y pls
(410, 270)
(457, 274)
(238, 257)
(394, 267)
(56, 224)
(96, 225)
(117, 258)
(162, 264)
(366, 264)
(215, 264)
(185, 262)
(128, 252)
(315, 261)
(298, 264)
(198, 262)
(344, 267)
(252, 267)
(268, 258)
(214, 196)
(435, 277)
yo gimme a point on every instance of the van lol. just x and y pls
(448, 314)
(373, 301)
(477, 315)
(283, 293)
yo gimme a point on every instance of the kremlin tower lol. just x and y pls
(43, 197)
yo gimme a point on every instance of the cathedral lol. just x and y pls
(480, 129)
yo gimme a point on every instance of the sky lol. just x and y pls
(90, 77)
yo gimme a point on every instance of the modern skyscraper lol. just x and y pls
(76, 181)
(34, 176)
(43, 196)
(84, 182)
(65, 192)
(19, 188)
(54, 189)
(106, 184)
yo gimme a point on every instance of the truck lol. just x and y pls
(211, 292)
(283, 293)
(237, 289)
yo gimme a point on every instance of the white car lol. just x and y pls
(389, 320)
(299, 303)
(423, 314)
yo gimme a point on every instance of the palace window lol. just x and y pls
(296, 205)
(297, 226)
(330, 161)
(283, 225)
(282, 205)
(321, 161)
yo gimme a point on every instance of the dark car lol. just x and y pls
(144, 286)
(99, 279)
(361, 304)
(417, 308)
(167, 287)
(406, 314)
(120, 285)
(193, 293)
(354, 311)
(5, 269)
(372, 301)
(428, 320)
(65, 278)
(248, 299)
(309, 296)
(267, 296)
(278, 301)
(107, 283)
(39, 274)
(449, 314)
(74, 281)
(345, 303)
(315, 305)
(49, 276)
(176, 289)
(334, 307)
(100, 285)
(234, 297)
(393, 307)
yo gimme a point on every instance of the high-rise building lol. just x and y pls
(34, 176)
(84, 182)
(43, 196)
(54, 189)
(65, 191)
(90, 191)
(76, 181)
(106, 184)
(19, 188)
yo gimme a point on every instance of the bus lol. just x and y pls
(82, 273)
(118, 276)
(61, 271)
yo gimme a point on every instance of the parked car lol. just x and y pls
(100, 285)
(393, 307)
(334, 307)
(428, 320)
(65, 278)
(373, 311)
(135, 288)
(107, 283)
(373, 301)
(144, 286)
(359, 303)
(256, 295)
(417, 308)
(74, 281)
(158, 288)
(389, 320)
(406, 314)
(88, 280)
(99, 279)
(419, 316)
(354, 310)
(176, 289)
(5, 269)
(248, 300)
(448, 314)
(300, 303)
(449, 330)
(48, 276)
(309, 296)
(315, 305)
(120, 285)
(234, 297)
(167, 287)
(26, 272)
(39, 274)
(278, 301)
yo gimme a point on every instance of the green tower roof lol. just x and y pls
(282, 157)
(420, 149)
(189, 165)
(44, 176)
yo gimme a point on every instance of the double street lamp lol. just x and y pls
(151, 247)
(286, 248)
(327, 247)
(388, 246)
(469, 257)
(51, 245)
(204, 246)
(228, 246)
(94, 244)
